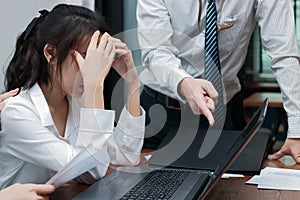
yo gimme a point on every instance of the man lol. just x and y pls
(172, 39)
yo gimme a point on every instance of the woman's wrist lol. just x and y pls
(133, 102)
(132, 86)
(93, 97)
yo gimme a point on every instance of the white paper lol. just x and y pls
(277, 179)
(254, 180)
(227, 175)
(82, 162)
(147, 157)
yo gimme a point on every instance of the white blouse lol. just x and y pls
(32, 150)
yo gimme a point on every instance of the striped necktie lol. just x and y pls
(212, 62)
(213, 74)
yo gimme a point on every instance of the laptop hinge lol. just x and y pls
(198, 186)
(211, 180)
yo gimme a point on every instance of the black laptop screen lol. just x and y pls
(248, 132)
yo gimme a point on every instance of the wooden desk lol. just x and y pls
(233, 188)
(257, 98)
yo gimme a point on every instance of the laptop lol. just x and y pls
(256, 149)
(170, 183)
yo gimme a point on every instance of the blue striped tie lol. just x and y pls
(212, 62)
(213, 74)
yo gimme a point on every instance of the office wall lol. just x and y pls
(130, 31)
(14, 16)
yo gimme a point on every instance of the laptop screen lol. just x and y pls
(244, 138)
(232, 153)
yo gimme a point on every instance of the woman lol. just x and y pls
(60, 55)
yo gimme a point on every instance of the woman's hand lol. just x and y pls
(97, 63)
(94, 68)
(125, 67)
(124, 64)
(6, 96)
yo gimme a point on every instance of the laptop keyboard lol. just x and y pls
(159, 184)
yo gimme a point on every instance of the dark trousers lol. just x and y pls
(161, 118)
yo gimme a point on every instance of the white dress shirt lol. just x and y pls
(172, 33)
(32, 150)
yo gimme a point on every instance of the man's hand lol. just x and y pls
(291, 147)
(201, 96)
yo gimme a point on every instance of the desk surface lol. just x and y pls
(233, 188)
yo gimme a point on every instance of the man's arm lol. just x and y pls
(276, 20)
(155, 39)
(160, 56)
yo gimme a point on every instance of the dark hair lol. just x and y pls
(65, 27)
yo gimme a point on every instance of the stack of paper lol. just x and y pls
(85, 160)
(277, 179)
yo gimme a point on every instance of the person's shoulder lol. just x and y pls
(19, 103)
(23, 98)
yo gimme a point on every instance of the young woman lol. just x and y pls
(61, 55)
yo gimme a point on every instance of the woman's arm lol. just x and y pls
(126, 142)
(125, 66)
(94, 69)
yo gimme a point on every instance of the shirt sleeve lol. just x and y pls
(119, 146)
(158, 54)
(126, 142)
(276, 21)
(95, 127)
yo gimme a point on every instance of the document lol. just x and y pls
(82, 162)
(227, 175)
(277, 179)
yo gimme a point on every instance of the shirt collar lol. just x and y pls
(41, 105)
